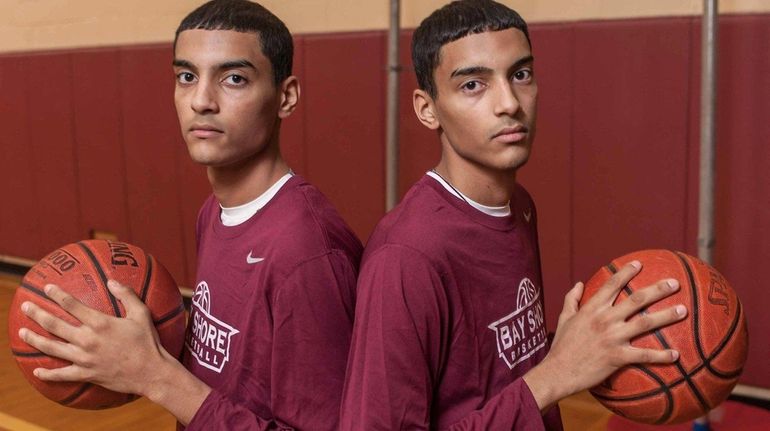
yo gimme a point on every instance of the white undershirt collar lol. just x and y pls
(503, 211)
(234, 216)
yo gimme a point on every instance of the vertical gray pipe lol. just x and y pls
(391, 145)
(708, 129)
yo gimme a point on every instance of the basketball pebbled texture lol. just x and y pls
(82, 269)
(712, 342)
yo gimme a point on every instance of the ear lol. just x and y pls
(289, 96)
(425, 109)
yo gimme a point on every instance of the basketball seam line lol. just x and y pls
(662, 389)
(103, 277)
(725, 339)
(148, 276)
(673, 384)
(173, 313)
(27, 354)
(36, 290)
(695, 334)
(70, 399)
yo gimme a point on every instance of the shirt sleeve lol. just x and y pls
(400, 340)
(312, 322)
(514, 408)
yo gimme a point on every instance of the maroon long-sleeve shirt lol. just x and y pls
(449, 317)
(272, 314)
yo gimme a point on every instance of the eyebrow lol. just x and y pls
(479, 70)
(471, 70)
(222, 66)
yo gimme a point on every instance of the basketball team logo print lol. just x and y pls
(209, 339)
(522, 333)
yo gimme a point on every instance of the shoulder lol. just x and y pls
(523, 206)
(521, 193)
(305, 225)
(207, 212)
(420, 222)
(396, 272)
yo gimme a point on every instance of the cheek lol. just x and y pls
(531, 103)
(256, 120)
(179, 102)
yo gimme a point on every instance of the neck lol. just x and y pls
(484, 185)
(245, 181)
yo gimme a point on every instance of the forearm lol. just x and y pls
(184, 395)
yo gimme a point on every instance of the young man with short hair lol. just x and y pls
(449, 330)
(276, 264)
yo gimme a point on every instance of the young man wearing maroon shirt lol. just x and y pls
(272, 313)
(449, 330)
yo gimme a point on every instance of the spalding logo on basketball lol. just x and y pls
(82, 269)
(712, 342)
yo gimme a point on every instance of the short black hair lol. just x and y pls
(246, 17)
(452, 22)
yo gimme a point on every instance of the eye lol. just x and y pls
(523, 75)
(471, 86)
(185, 78)
(236, 80)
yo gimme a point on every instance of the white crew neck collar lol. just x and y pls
(233, 216)
(502, 211)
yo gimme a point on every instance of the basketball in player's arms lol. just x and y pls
(448, 331)
(272, 311)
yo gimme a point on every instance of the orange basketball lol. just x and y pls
(712, 342)
(82, 269)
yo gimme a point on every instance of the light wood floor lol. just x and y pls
(24, 409)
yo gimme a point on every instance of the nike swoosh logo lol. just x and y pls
(250, 260)
(528, 214)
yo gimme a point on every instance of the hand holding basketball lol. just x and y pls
(96, 347)
(82, 321)
(712, 341)
(593, 341)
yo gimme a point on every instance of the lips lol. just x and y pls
(512, 134)
(511, 130)
(204, 131)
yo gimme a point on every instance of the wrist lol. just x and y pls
(177, 390)
(160, 378)
(547, 385)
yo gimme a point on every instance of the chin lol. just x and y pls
(515, 161)
(203, 158)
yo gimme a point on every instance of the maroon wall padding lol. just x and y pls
(19, 218)
(344, 128)
(101, 173)
(91, 141)
(151, 139)
(630, 135)
(50, 138)
(742, 250)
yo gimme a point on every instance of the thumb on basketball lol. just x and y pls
(126, 295)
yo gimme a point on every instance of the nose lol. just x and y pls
(507, 102)
(204, 98)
